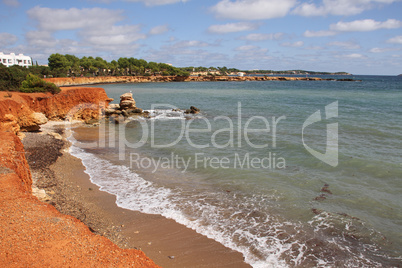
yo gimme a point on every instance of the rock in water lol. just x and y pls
(127, 101)
(192, 110)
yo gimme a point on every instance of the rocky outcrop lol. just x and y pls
(192, 110)
(127, 107)
(127, 101)
(27, 111)
(35, 120)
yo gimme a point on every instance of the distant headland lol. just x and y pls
(71, 66)
(68, 70)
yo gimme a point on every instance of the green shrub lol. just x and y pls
(33, 83)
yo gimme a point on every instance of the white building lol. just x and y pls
(12, 59)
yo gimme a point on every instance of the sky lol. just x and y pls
(355, 36)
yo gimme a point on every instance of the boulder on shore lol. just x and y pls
(33, 122)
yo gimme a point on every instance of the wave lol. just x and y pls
(244, 223)
(166, 114)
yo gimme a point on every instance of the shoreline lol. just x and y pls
(98, 80)
(72, 193)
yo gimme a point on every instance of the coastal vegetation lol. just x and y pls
(33, 83)
(70, 65)
(17, 78)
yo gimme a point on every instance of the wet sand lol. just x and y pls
(69, 189)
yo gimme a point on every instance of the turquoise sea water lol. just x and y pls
(240, 171)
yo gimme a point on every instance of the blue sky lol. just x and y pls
(356, 36)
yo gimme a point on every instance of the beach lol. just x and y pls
(69, 189)
(35, 234)
(259, 200)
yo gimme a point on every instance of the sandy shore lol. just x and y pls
(69, 189)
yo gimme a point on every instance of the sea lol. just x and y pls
(288, 173)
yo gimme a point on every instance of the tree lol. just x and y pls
(124, 64)
(5, 79)
(58, 62)
(85, 63)
(223, 70)
(142, 65)
(101, 64)
(112, 66)
(42, 71)
(153, 67)
(74, 63)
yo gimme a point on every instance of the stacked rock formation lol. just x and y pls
(127, 101)
(126, 108)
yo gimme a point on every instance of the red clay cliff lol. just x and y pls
(33, 233)
(20, 110)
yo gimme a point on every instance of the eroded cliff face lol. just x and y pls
(20, 111)
(13, 165)
(26, 112)
(35, 234)
(74, 81)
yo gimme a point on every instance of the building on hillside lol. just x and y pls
(12, 59)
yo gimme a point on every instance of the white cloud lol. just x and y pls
(11, 3)
(314, 48)
(395, 40)
(113, 35)
(7, 39)
(318, 33)
(262, 37)
(355, 26)
(233, 27)
(96, 27)
(70, 19)
(159, 29)
(365, 25)
(382, 50)
(295, 44)
(40, 39)
(187, 53)
(345, 45)
(253, 9)
(338, 7)
(246, 48)
(352, 56)
(251, 54)
(188, 43)
(157, 2)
